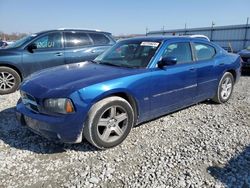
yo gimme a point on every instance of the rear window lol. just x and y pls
(76, 39)
(204, 51)
(99, 38)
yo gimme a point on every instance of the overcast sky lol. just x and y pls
(119, 17)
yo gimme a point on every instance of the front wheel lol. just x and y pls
(225, 88)
(109, 122)
(9, 80)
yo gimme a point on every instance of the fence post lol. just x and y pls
(212, 28)
(185, 31)
(245, 38)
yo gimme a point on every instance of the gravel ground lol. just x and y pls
(206, 145)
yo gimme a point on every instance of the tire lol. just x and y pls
(225, 88)
(9, 80)
(109, 122)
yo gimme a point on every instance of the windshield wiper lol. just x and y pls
(92, 61)
(115, 65)
(129, 66)
(108, 63)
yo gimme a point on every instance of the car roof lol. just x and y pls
(74, 29)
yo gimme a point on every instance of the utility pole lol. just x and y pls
(245, 38)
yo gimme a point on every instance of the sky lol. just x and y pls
(119, 17)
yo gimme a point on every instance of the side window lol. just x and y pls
(77, 39)
(52, 40)
(204, 51)
(181, 51)
(99, 38)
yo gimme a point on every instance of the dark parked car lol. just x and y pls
(245, 56)
(47, 49)
(135, 81)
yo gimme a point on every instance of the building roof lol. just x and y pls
(159, 38)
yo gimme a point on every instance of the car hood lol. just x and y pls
(66, 79)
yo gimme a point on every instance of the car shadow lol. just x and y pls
(236, 173)
(19, 137)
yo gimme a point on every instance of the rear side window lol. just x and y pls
(181, 51)
(99, 38)
(76, 39)
(204, 51)
(52, 40)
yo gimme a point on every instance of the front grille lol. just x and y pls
(29, 101)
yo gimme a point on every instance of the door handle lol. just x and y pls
(221, 64)
(59, 54)
(93, 51)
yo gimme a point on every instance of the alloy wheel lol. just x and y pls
(7, 81)
(226, 88)
(112, 124)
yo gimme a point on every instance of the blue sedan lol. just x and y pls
(135, 81)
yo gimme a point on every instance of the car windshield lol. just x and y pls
(21, 41)
(131, 54)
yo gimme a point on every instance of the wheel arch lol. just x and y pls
(14, 68)
(125, 95)
(233, 72)
(131, 100)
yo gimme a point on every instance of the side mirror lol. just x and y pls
(31, 47)
(167, 61)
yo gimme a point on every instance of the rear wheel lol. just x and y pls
(109, 122)
(9, 80)
(225, 88)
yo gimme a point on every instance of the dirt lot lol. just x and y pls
(206, 145)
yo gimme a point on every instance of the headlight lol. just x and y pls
(61, 105)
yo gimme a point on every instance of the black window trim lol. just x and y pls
(203, 43)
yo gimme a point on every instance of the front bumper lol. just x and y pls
(63, 128)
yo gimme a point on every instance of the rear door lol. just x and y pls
(78, 47)
(49, 53)
(101, 43)
(207, 78)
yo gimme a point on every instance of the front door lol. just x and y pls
(174, 86)
(49, 53)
